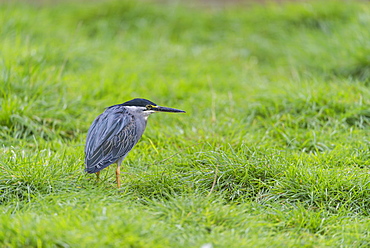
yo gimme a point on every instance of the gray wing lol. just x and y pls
(111, 136)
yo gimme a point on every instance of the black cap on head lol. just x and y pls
(138, 102)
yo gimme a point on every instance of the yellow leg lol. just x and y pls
(118, 178)
(97, 175)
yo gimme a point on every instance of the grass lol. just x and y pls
(273, 150)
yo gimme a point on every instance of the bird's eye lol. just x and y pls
(149, 107)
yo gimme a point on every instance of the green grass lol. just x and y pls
(273, 151)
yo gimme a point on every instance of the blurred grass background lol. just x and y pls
(273, 150)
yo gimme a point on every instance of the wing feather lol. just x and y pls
(111, 136)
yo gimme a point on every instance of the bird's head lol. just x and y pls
(148, 107)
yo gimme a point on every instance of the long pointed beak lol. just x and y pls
(165, 109)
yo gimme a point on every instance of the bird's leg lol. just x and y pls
(118, 173)
(97, 175)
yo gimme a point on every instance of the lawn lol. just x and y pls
(272, 152)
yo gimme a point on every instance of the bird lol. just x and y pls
(114, 133)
